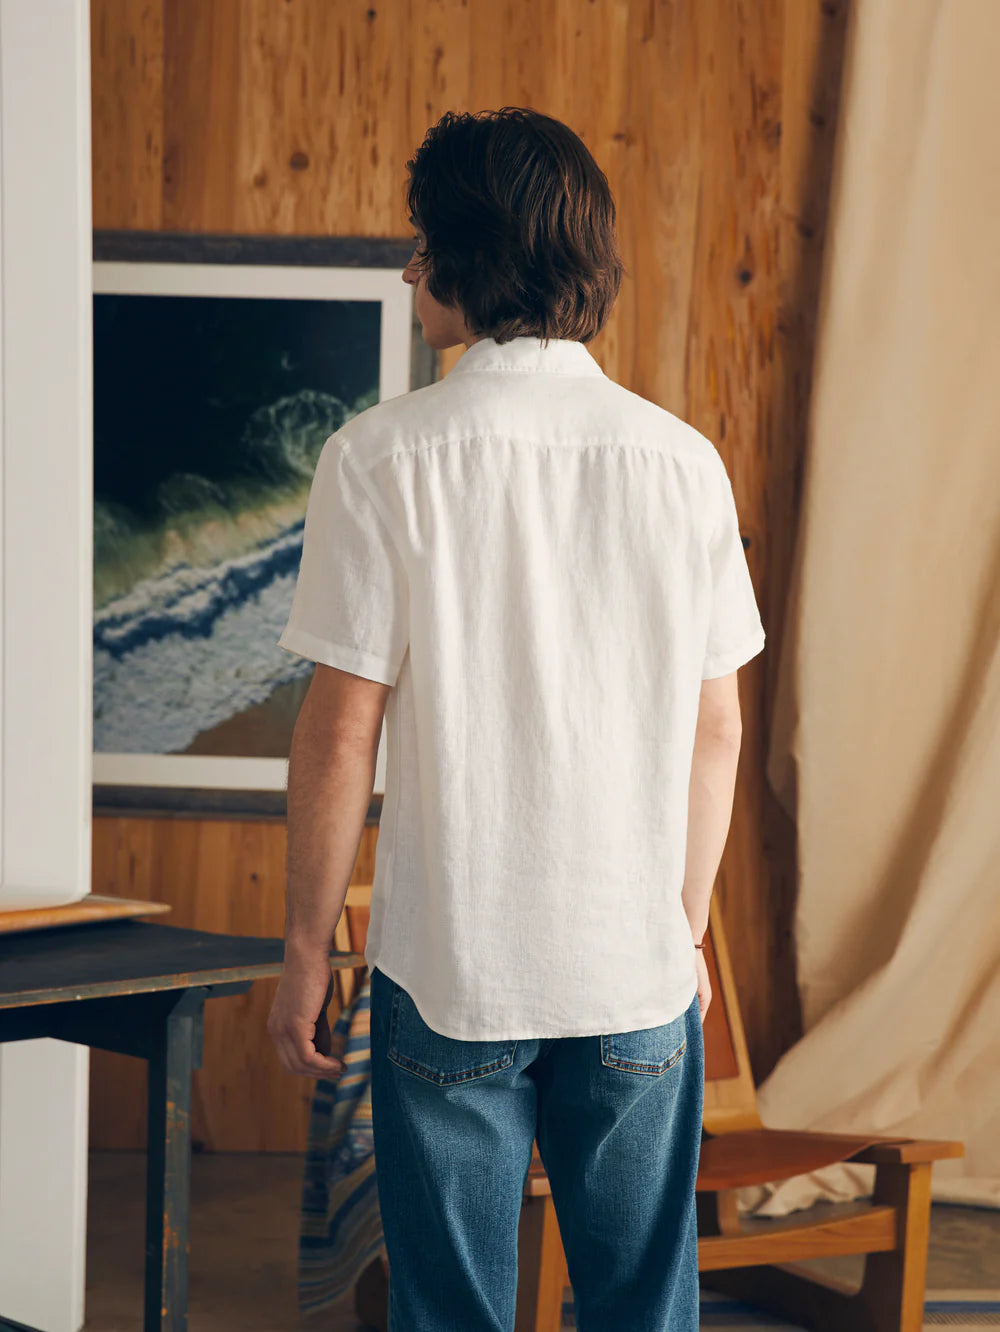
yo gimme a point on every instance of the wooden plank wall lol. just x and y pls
(714, 122)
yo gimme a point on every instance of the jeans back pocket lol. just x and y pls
(650, 1050)
(440, 1059)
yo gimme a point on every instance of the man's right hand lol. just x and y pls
(297, 1023)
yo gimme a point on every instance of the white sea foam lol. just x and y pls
(187, 650)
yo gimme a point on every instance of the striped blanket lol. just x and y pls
(341, 1230)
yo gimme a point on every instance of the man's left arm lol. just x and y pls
(331, 773)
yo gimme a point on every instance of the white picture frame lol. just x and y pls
(233, 268)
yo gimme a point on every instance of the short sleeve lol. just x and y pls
(351, 603)
(735, 631)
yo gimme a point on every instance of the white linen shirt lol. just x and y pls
(546, 566)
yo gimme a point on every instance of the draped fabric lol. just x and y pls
(886, 739)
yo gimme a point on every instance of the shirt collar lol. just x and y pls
(560, 356)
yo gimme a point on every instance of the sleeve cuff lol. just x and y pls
(724, 663)
(336, 654)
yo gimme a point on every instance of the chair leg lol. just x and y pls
(894, 1285)
(541, 1263)
(891, 1296)
(718, 1213)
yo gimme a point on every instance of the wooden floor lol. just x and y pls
(244, 1227)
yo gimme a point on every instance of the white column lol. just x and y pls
(46, 429)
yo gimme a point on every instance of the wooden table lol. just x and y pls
(139, 989)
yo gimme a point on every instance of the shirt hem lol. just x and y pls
(517, 1031)
(343, 658)
(724, 663)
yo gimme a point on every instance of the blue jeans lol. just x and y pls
(618, 1121)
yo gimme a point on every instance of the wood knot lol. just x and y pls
(298, 161)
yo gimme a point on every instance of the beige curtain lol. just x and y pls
(886, 745)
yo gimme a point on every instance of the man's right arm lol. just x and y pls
(716, 754)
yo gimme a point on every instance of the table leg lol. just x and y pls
(176, 1051)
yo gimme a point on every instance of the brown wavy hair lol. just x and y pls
(518, 225)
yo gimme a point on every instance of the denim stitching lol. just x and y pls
(446, 1079)
(610, 1060)
(423, 1070)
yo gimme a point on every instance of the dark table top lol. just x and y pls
(130, 957)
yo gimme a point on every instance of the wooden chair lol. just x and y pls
(755, 1259)
(752, 1259)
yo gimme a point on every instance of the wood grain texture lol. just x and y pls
(88, 910)
(855, 1229)
(127, 109)
(715, 125)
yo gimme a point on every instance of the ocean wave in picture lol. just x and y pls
(184, 651)
(193, 584)
(282, 440)
(195, 519)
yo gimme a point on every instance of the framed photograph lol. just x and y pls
(221, 366)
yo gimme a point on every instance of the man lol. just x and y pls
(538, 577)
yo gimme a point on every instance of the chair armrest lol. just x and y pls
(907, 1151)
